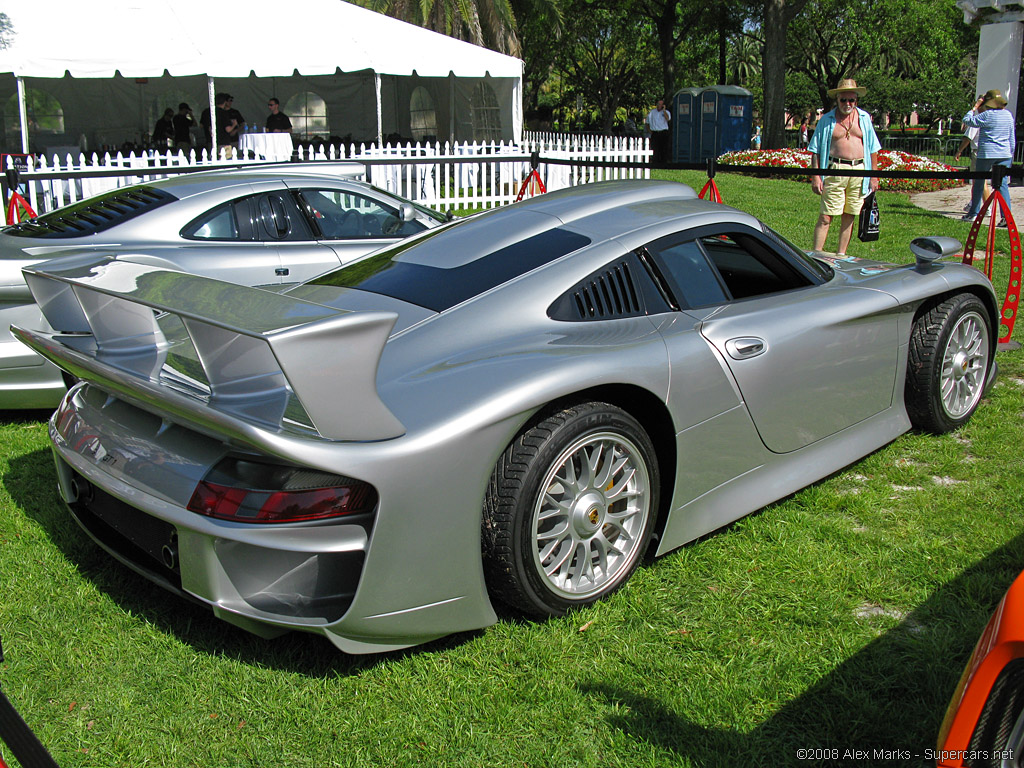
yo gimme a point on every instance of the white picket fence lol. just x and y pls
(465, 176)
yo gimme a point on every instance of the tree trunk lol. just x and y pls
(666, 45)
(722, 79)
(777, 15)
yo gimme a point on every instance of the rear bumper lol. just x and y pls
(407, 575)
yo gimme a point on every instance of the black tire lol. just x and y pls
(948, 364)
(545, 562)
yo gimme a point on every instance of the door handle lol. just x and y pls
(745, 347)
(282, 271)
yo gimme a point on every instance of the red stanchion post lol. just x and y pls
(533, 182)
(1008, 313)
(710, 186)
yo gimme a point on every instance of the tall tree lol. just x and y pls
(606, 57)
(743, 61)
(677, 20)
(489, 23)
(6, 30)
(539, 26)
(913, 55)
(775, 17)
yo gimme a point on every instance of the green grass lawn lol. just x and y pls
(838, 618)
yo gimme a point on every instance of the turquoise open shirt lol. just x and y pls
(821, 142)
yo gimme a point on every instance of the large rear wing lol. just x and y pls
(257, 350)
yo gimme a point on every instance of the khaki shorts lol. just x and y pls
(842, 194)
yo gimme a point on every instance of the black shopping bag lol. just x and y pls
(870, 219)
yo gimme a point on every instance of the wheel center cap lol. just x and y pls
(960, 364)
(588, 514)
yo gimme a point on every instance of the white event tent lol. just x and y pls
(100, 73)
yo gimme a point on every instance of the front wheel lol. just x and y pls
(950, 355)
(569, 510)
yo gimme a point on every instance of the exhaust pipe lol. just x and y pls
(169, 553)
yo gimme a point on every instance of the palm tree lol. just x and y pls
(744, 60)
(490, 23)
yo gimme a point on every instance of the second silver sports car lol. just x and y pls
(514, 407)
(265, 225)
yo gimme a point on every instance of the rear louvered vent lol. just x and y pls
(93, 215)
(605, 295)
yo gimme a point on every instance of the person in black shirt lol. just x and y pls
(277, 121)
(163, 131)
(183, 122)
(227, 125)
(236, 115)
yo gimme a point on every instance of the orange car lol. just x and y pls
(984, 725)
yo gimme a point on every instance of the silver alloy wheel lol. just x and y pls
(589, 519)
(964, 363)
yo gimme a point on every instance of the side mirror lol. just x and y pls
(928, 250)
(406, 212)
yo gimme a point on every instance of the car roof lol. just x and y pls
(598, 211)
(188, 184)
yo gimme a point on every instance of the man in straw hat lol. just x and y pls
(996, 140)
(843, 139)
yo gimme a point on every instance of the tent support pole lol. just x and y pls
(23, 113)
(213, 117)
(380, 121)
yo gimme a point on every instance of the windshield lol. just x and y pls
(819, 268)
(421, 208)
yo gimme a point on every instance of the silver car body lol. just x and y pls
(257, 256)
(754, 399)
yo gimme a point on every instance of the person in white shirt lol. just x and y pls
(661, 140)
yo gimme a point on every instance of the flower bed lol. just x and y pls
(888, 160)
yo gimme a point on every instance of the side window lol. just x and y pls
(344, 215)
(688, 272)
(748, 266)
(220, 223)
(280, 219)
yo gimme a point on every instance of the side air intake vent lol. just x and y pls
(621, 289)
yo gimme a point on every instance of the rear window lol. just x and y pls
(95, 214)
(437, 288)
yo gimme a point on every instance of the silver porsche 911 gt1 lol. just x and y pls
(264, 226)
(515, 407)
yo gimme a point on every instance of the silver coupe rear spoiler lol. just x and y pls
(257, 349)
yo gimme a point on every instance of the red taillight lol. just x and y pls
(216, 500)
(248, 492)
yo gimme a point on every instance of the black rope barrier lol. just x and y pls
(15, 733)
(711, 166)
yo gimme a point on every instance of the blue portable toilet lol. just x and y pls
(726, 120)
(686, 125)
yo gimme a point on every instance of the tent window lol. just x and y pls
(308, 113)
(45, 114)
(423, 117)
(486, 114)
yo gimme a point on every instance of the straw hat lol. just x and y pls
(994, 99)
(847, 84)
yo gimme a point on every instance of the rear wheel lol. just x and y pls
(950, 353)
(569, 510)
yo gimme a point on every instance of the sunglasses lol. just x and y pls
(848, 101)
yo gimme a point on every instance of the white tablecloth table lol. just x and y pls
(276, 147)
